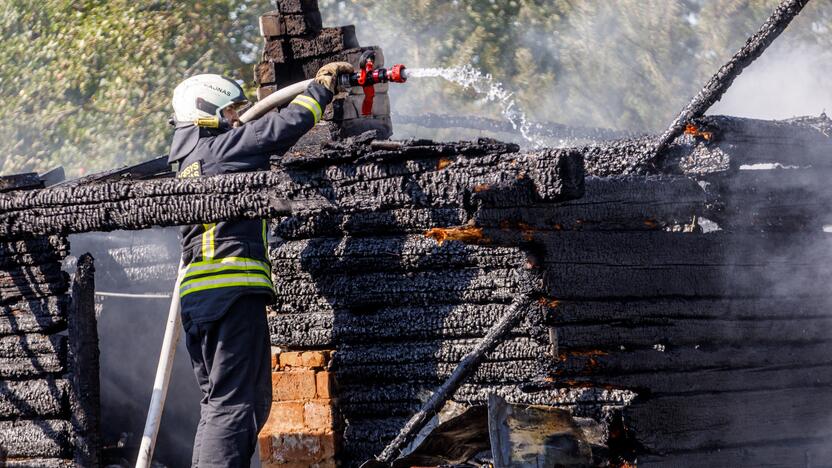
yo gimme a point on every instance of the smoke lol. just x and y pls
(628, 65)
(130, 339)
(790, 79)
(634, 65)
(469, 77)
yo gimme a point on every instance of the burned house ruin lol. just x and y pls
(680, 314)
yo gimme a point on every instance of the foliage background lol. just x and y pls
(86, 83)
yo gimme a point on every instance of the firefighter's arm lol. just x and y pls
(248, 147)
(304, 111)
(280, 130)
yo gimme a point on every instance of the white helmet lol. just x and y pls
(204, 96)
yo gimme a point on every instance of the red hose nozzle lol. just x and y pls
(398, 74)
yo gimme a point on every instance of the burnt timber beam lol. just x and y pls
(713, 90)
(156, 167)
(140, 205)
(468, 364)
(354, 176)
(35, 439)
(83, 340)
(29, 180)
(718, 145)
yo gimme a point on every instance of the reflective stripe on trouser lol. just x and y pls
(223, 273)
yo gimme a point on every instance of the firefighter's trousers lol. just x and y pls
(231, 360)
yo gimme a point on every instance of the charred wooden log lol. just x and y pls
(468, 364)
(33, 439)
(308, 183)
(43, 315)
(718, 144)
(136, 205)
(45, 398)
(83, 339)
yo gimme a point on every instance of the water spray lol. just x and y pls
(483, 83)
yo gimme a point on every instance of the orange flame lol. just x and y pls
(693, 130)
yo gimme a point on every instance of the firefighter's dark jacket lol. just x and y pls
(225, 260)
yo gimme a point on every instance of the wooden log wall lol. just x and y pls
(48, 350)
(686, 308)
(399, 309)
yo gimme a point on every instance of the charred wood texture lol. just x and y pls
(138, 205)
(697, 283)
(46, 438)
(786, 11)
(83, 338)
(663, 287)
(718, 144)
(468, 363)
(20, 182)
(34, 389)
(307, 183)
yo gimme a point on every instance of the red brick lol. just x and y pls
(271, 24)
(314, 359)
(297, 25)
(262, 92)
(275, 24)
(265, 443)
(277, 50)
(317, 415)
(323, 384)
(284, 416)
(329, 41)
(302, 464)
(293, 385)
(290, 359)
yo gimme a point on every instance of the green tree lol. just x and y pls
(87, 84)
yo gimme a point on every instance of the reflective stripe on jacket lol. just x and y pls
(227, 259)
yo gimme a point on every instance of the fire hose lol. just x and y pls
(367, 77)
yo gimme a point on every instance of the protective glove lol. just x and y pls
(328, 74)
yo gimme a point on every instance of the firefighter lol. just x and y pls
(227, 279)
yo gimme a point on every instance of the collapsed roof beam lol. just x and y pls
(725, 76)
